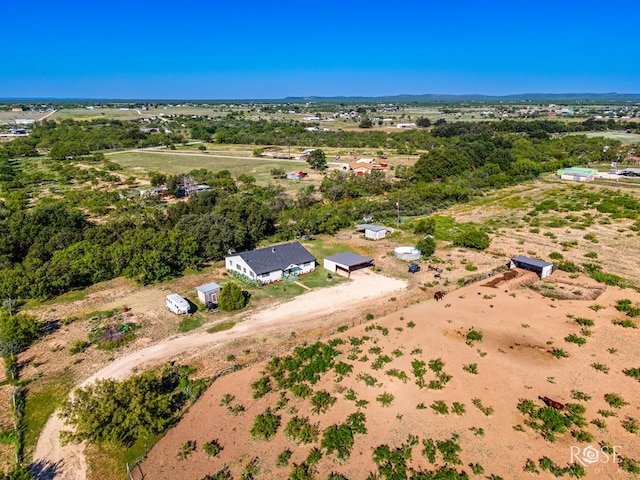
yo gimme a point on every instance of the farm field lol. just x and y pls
(462, 370)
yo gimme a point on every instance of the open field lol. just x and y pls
(511, 361)
(622, 136)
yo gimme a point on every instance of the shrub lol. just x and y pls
(212, 448)
(631, 425)
(585, 322)
(231, 297)
(283, 458)
(261, 387)
(614, 400)
(301, 431)
(573, 338)
(265, 425)
(440, 407)
(559, 353)
(458, 408)
(385, 399)
(186, 449)
(321, 402)
(601, 367)
(339, 439)
(471, 368)
(474, 239)
(473, 336)
(632, 372)
(625, 323)
(427, 246)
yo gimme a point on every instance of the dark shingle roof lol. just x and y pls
(276, 257)
(531, 261)
(349, 258)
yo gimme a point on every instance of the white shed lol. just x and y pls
(209, 292)
(374, 232)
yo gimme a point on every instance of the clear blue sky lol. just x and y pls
(272, 49)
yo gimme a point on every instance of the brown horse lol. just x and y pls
(439, 295)
(552, 403)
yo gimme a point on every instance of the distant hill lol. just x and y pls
(435, 97)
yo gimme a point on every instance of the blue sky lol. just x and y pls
(244, 49)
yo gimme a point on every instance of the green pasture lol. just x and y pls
(621, 136)
(176, 163)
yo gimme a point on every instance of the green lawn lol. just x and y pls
(40, 404)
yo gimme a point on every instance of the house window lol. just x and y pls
(244, 269)
(230, 264)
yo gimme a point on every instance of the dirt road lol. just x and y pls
(51, 460)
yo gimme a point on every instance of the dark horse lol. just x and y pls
(439, 295)
(552, 403)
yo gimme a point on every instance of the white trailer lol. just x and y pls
(177, 304)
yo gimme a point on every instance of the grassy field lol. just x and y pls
(175, 163)
(622, 136)
(132, 114)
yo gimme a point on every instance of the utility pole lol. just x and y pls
(398, 219)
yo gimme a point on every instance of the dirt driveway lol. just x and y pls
(54, 461)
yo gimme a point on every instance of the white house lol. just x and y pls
(374, 232)
(271, 264)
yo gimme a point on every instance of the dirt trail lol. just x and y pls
(51, 460)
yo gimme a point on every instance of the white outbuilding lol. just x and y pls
(543, 269)
(346, 262)
(208, 292)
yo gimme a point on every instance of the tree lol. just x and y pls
(317, 159)
(17, 332)
(423, 122)
(427, 246)
(475, 239)
(425, 226)
(366, 123)
(231, 297)
(278, 173)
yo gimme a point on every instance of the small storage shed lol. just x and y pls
(346, 262)
(374, 232)
(209, 292)
(543, 269)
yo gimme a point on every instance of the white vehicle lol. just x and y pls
(177, 304)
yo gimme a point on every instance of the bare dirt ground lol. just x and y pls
(514, 361)
(68, 461)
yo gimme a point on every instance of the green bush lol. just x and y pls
(212, 448)
(231, 297)
(427, 246)
(474, 239)
(301, 431)
(265, 425)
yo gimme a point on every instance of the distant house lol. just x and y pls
(271, 264)
(362, 168)
(208, 292)
(296, 175)
(374, 232)
(577, 174)
(405, 125)
(346, 262)
(543, 269)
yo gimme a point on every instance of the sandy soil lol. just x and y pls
(68, 462)
(520, 328)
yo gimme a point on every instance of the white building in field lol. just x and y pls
(271, 264)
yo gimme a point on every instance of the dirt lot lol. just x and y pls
(302, 312)
(520, 328)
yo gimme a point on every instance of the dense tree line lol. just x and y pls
(69, 138)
